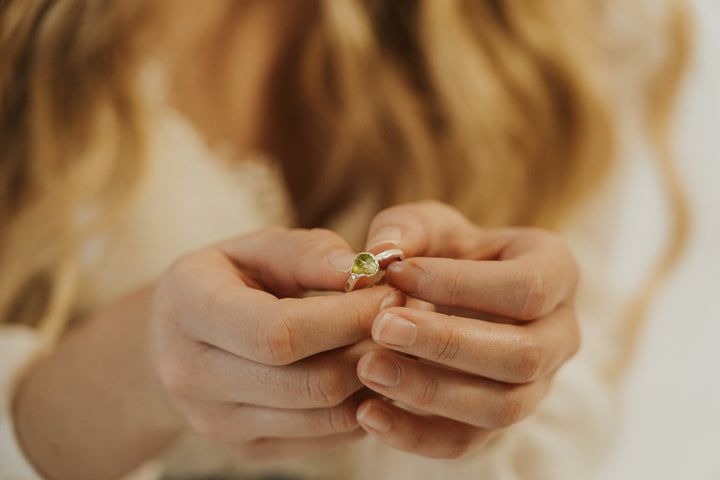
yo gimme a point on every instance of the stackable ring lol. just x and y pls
(367, 264)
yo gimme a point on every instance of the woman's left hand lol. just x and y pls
(485, 357)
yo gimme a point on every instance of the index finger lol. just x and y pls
(216, 306)
(257, 326)
(430, 229)
(534, 274)
(290, 262)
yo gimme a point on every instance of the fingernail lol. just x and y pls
(381, 370)
(341, 260)
(395, 299)
(375, 418)
(387, 237)
(395, 330)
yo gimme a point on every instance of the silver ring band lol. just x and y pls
(388, 254)
(367, 264)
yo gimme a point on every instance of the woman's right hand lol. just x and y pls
(253, 363)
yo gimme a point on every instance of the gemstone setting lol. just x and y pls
(365, 265)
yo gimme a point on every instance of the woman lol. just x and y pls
(497, 110)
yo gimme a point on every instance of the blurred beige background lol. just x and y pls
(670, 424)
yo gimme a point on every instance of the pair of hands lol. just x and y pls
(253, 364)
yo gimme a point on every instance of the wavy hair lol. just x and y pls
(499, 107)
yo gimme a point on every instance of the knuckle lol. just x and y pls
(257, 450)
(175, 285)
(215, 421)
(178, 268)
(455, 286)
(436, 208)
(509, 411)
(542, 236)
(341, 419)
(527, 361)
(471, 439)
(357, 319)
(447, 346)
(308, 246)
(209, 426)
(460, 446)
(273, 231)
(176, 377)
(413, 441)
(391, 212)
(326, 387)
(428, 393)
(402, 215)
(532, 296)
(273, 340)
(317, 239)
(184, 267)
(211, 302)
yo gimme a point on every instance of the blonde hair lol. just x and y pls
(495, 106)
(487, 105)
(71, 136)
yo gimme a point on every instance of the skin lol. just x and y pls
(228, 344)
(486, 359)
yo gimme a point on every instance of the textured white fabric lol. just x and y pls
(17, 348)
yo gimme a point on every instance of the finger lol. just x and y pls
(233, 423)
(433, 229)
(307, 423)
(265, 449)
(210, 374)
(523, 288)
(429, 436)
(502, 352)
(465, 398)
(280, 332)
(289, 262)
(214, 306)
(428, 228)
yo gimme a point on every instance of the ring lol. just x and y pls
(368, 265)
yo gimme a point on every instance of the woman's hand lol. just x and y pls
(252, 364)
(505, 322)
(235, 353)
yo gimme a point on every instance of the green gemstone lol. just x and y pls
(365, 264)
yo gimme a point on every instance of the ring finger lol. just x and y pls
(466, 398)
(234, 423)
(321, 381)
